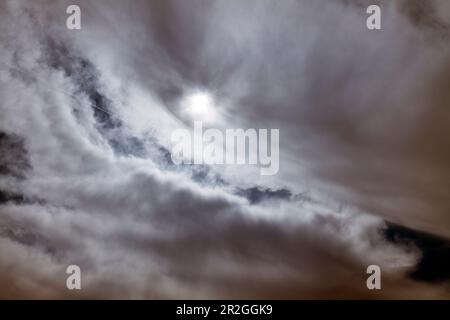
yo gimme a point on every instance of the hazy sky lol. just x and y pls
(85, 170)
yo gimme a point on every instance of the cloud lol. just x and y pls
(91, 110)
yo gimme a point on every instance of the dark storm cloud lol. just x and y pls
(360, 114)
(434, 264)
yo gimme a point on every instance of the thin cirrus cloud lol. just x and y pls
(86, 176)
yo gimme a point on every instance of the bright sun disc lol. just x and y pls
(200, 106)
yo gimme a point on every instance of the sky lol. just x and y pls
(87, 179)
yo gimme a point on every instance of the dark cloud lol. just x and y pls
(259, 194)
(13, 156)
(434, 264)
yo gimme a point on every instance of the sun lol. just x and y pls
(200, 106)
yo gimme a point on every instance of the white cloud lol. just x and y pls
(138, 230)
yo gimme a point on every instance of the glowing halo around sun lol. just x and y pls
(200, 106)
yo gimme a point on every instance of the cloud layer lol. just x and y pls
(86, 177)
